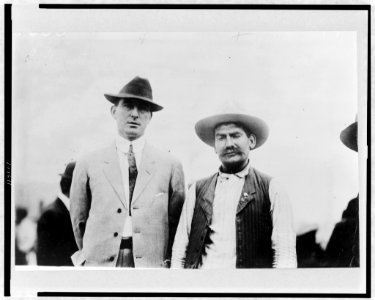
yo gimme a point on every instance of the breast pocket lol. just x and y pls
(160, 198)
(160, 206)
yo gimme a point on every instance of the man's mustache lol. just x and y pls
(232, 150)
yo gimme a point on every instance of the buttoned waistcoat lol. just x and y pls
(253, 222)
(98, 208)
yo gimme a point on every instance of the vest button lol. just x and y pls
(112, 258)
(115, 234)
(119, 210)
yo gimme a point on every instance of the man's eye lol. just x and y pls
(127, 105)
(220, 137)
(143, 108)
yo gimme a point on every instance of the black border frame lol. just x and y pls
(7, 144)
(8, 141)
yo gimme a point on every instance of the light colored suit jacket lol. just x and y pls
(98, 208)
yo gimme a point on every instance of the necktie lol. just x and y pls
(132, 174)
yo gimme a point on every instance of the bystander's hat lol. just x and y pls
(137, 89)
(349, 136)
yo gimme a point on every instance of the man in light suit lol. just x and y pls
(126, 200)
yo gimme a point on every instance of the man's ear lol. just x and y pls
(113, 110)
(252, 141)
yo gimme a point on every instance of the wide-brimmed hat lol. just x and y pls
(68, 174)
(138, 88)
(349, 136)
(205, 128)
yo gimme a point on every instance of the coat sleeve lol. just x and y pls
(181, 240)
(283, 234)
(176, 201)
(80, 201)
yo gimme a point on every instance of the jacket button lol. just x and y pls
(115, 234)
(119, 210)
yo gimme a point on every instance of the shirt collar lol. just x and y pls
(240, 174)
(123, 144)
(64, 200)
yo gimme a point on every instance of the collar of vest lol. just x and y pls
(206, 193)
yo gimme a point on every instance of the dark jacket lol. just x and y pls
(343, 246)
(56, 243)
(253, 222)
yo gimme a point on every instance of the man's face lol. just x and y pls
(132, 118)
(232, 146)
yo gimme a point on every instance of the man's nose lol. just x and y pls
(134, 112)
(229, 142)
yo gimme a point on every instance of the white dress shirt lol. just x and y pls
(64, 200)
(122, 147)
(222, 252)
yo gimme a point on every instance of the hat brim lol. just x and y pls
(205, 128)
(349, 136)
(114, 98)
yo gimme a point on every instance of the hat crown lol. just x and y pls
(139, 87)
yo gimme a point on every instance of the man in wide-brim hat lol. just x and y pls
(343, 246)
(237, 217)
(126, 200)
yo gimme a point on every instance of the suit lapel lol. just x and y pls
(248, 191)
(145, 172)
(113, 174)
(207, 195)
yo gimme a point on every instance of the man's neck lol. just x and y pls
(233, 169)
(124, 143)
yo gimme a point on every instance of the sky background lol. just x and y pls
(303, 84)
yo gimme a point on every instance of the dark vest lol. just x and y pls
(253, 222)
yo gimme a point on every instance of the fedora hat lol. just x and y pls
(205, 128)
(68, 174)
(138, 88)
(349, 136)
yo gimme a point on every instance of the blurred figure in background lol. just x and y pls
(343, 246)
(310, 253)
(56, 242)
(25, 238)
(21, 213)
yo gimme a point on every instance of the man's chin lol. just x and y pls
(132, 134)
